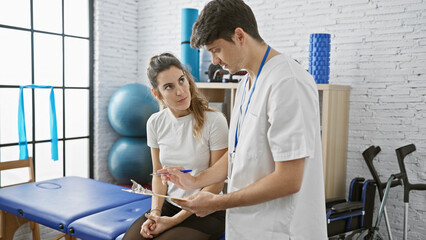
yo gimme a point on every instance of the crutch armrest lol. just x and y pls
(347, 207)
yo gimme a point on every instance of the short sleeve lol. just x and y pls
(151, 134)
(288, 135)
(218, 132)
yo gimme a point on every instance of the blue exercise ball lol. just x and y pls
(130, 158)
(129, 109)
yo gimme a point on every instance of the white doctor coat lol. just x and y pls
(281, 124)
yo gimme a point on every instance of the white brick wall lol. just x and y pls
(378, 48)
(116, 64)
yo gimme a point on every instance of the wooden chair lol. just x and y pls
(14, 222)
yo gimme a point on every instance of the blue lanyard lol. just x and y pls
(248, 102)
(23, 144)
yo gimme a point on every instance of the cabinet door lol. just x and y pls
(334, 102)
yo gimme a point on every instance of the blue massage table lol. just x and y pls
(79, 207)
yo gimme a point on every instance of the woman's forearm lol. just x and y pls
(214, 174)
(158, 188)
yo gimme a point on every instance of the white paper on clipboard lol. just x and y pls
(138, 189)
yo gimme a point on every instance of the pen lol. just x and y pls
(184, 171)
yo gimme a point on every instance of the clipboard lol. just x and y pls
(153, 194)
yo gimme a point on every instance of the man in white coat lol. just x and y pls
(274, 165)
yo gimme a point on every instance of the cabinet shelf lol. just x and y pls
(334, 107)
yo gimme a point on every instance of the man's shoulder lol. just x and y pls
(281, 62)
(284, 68)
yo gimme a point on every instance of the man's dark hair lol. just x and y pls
(219, 19)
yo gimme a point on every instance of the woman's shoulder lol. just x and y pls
(158, 116)
(213, 115)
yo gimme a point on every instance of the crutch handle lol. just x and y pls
(420, 187)
(398, 176)
(401, 153)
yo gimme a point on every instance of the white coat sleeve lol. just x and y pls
(287, 134)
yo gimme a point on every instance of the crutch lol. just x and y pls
(369, 154)
(401, 153)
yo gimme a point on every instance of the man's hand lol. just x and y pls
(184, 181)
(201, 203)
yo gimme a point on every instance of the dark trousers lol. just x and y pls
(193, 228)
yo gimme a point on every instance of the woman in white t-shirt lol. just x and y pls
(186, 133)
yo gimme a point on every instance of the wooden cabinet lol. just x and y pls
(334, 106)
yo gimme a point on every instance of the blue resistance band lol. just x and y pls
(248, 103)
(23, 144)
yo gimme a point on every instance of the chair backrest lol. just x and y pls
(16, 164)
(9, 222)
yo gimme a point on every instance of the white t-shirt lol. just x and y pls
(178, 146)
(282, 123)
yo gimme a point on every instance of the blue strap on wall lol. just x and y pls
(23, 144)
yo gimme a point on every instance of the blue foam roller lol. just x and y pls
(319, 54)
(324, 69)
(319, 57)
(319, 72)
(319, 40)
(320, 35)
(320, 63)
(189, 15)
(320, 44)
(321, 77)
(190, 57)
(319, 47)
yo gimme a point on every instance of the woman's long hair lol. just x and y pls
(199, 103)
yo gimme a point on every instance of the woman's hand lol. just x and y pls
(147, 227)
(184, 181)
(159, 224)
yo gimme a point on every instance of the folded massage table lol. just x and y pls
(80, 207)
